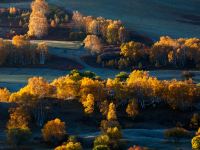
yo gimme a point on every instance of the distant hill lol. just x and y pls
(14, 1)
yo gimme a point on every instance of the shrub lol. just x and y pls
(20, 41)
(71, 144)
(89, 74)
(176, 133)
(88, 104)
(132, 108)
(54, 131)
(196, 143)
(18, 136)
(18, 118)
(4, 95)
(122, 76)
(101, 147)
(101, 140)
(111, 112)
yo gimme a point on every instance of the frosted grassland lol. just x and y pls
(153, 18)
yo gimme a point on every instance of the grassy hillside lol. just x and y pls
(14, 1)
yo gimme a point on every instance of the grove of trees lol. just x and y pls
(167, 52)
(100, 29)
(196, 141)
(137, 92)
(21, 52)
(38, 24)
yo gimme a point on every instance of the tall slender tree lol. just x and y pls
(38, 24)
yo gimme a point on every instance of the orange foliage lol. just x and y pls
(20, 41)
(54, 131)
(4, 95)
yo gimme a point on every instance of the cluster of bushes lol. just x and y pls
(196, 141)
(167, 52)
(21, 52)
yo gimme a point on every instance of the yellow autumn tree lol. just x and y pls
(71, 144)
(132, 108)
(18, 118)
(64, 84)
(111, 112)
(104, 105)
(54, 131)
(94, 27)
(133, 50)
(93, 43)
(38, 86)
(4, 95)
(12, 10)
(88, 104)
(117, 88)
(38, 25)
(20, 41)
(112, 32)
(53, 24)
(90, 86)
(181, 94)
(114, 133)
